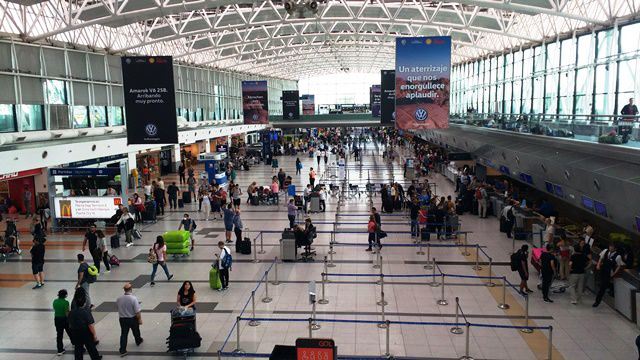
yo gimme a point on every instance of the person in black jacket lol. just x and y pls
(159, 197)
(37, 263)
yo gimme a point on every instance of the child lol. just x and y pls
(102, 243)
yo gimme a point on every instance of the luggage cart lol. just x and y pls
(183, 337)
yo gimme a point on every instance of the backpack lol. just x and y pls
(92, 274)
(478, 194)
(515, 261)
(114, 261)
(227, 261)
(152, 258)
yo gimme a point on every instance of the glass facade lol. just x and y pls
(7, 118)
(589, 74)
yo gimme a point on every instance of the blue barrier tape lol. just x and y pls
(472, 276)
(383, 275)
(244, 355)
(510, 326)
(405, 245)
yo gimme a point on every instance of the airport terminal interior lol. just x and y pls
(319, 179)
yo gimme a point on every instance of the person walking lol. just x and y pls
(91, 238)
(60, 319)
(372, 229)
(522, 255)
(205, 202)
(227, 217)
(189, 225)
(292, 211)
(128, 223)
(83, 280)
(312, 176)
(609, 265)
(298, 166)
(160, 250)
(173, 191)
(548, 270)
(102, 244)
(37, 263)
(159, 196)
(81, 326)
(181, 173)
(282, 176)
(224, 264)
(482, 197)
(237, 225)
(236, 195)
(578, 264)
(130, 313)
(26, 200)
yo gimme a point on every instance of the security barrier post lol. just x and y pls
(382, 301)
(550, 344)
(442, 300)
(490, 282)
(456, 329)
(420, 252)
(387, 339)
(255, 253)
(376, 265)
(526, 329)
(314, 324)
(434, 282)
(466, 344)
(326, 268)
(253, 322)
(323, 300)
(238, 349)
(331, 251)
(310, 328)
(331, 264)
(266, 299)
(465, 250)
(383, 304)
(428, 266)
(275, 269)
(261, 244)
(381, 274)
(504, 305)
(477, 265)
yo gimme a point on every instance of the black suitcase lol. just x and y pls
(503, 225)
(186, 197)
(298, 201)
(180, 203)
(255, 201)
(425, 235)
(520, 234)
(459, 209)
(244, 247)
(149, 213)
(115, 241)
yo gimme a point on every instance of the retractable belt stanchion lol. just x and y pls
(428, 266)
(261, 244)
(526, 329)
(550, 344)
(310, 328)
(331, 251)
(331, 264)
(266, 299)
(490, 282)
(379, 282)
(477, 265)
(238, 349)
(434, 282)
(326, 268)
(465, 251)
(323, 300)
(466, 343)
(378, 262)
(275, 281)
(420, 252)
(253, 310)
(503, 305)
(387, 339)
(255, 253)
(314, 324)
(382, 301)
(456, 329)
(442, 300)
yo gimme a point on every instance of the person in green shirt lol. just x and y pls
(61, 310)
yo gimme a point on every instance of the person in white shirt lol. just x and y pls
(147, 191)
(130, 313)
(323, 197)
(127, 226)
(160, 250)
(306, 196)
(160, 183)
(222, 270)
(609, 266)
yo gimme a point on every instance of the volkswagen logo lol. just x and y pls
(290, 115)
(151, 129)
(393, 115)
(255, 117)
(421, 114)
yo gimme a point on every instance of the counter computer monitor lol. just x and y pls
(549, 187)
(557, 189)
(587, 202)
(601, 209)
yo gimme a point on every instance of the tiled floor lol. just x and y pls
(579, 332)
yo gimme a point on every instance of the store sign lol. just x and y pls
(388, 94)
(84, 171)
(19, 174)
(423, 71)
(315, 349)
(149, 99)
(255, 102)
(86, 207)
(222, 148)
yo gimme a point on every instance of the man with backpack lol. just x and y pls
(481, 197)
(225, 261)
(519, 264)
(189, 225)
(507, 219)
(85, 279)
(609, 266)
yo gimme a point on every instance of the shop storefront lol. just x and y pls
(18, 191)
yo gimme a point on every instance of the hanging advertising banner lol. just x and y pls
(290, 104)
(423, 68)
(388, 96)
(255, 102)
(308, 104)
(86, 207)
(374, 99)
(149, 100)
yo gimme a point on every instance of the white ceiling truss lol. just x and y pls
(260, 37)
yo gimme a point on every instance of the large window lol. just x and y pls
(7, 118)
(31, 117)
(56, 91)
(80, 117)
(115, 116)
(98, 116)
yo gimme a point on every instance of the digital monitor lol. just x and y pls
(557, 189)
(587, 202)
(505, 170)
(549, 187)
(601, 209)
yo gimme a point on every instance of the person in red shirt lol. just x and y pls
(372, 229)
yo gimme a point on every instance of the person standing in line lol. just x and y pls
(37, 263)
(565, 257)
(92, 238)
(282, 176)
(323, 199)
(102, 244)
(312, 177)
(189, 225)
(161, 255)
(414, 210)
(227, 217)
(223, 265)
(83, 280)
(181, 173)
(306, 194)
(26, 199)
(60, 320)
(130, 313)
(482, 197)
(548, 270)
(523, 269)
(173, 191)
(160, 198)
(81, 326)
(578, 264)
(236, 195)
(292, 211)
(205, 202)
(609, 265)
(237, 225)
(372, 229)
(298, 166)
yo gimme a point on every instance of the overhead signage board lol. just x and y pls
(84, 171)
(86, 207)
(308, 104)
(149, 99)
(375, 100)
(388, 96)
(423, 69)
(290, 104)
(255, 102)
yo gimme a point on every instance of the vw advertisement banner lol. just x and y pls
(149, 99)
(290, 104)
(388, 94)
(308, 104)
(423, 67)
(375, 100)
(255, 102)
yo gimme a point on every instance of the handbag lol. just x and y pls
(382, 234)
(152, 258)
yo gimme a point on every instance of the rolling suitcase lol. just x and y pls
(255, 201)
(214, 279)
(149, 213)
(186, 197)
(115, 241)
(180, 203)
(425, 235)
(244, 247)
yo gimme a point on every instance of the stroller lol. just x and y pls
(557, 286)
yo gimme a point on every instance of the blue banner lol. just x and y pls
(423, 68)
(84, 171)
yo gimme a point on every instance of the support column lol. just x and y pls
(132, 164)
(175, 157)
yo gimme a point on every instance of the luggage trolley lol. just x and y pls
(183, 337)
